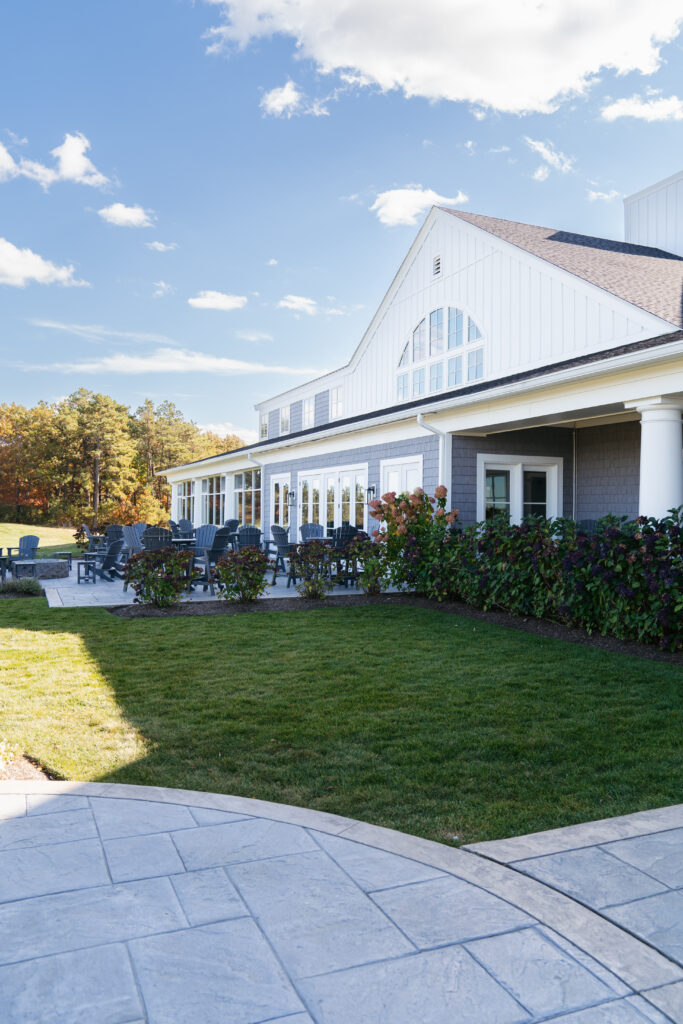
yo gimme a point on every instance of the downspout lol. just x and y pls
(445, 453)
(574, 475)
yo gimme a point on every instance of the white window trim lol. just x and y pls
(516, 464)
(289, 419)
(284, 480)
(311, 409)
(400, 460)
(336, 403)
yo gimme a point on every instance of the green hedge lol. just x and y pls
(625, 578)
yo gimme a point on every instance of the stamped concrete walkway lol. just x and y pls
(122, 904)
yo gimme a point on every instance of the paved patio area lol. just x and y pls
(67, 593)
(123, 904)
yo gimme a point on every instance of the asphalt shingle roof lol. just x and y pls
(646, 277)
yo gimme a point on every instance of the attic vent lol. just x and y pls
(436, 266)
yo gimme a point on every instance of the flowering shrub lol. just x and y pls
(311, 563)
(241, 575)
(370, 557)
(159, 577)
(415, 530)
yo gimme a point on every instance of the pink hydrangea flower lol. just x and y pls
(440, 492)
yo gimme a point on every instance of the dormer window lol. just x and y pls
(284, 419)
(263, 427)
(421, 365)
(336, 401)
(308, 413)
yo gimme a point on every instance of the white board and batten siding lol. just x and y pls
(654, 216)
(530, 312)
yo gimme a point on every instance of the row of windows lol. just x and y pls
(448, 329)
(307, 414)
(448, 374)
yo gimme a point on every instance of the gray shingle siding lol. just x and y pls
(295, 417)
(428, 447)
(554, 442)
(274, 423)
(322, 408)
(608, 470)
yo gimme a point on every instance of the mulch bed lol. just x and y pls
(539, 627)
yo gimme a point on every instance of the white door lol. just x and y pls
(279, 506)
(334, 497)
(401, 475)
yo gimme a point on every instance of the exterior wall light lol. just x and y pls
(370, 492)
(291, 499)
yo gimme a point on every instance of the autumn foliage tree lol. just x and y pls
(88, 458)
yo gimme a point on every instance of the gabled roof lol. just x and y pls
(649, 278)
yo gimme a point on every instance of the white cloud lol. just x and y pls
(162, 288)
(500, 149)
(18, 267)
(541, 173)
(72, 165)
(161, 246)
(298, 304)
(218, 300)
(272, 262)
(551, 156)
(652, 108)
(173, 360)
(98, 333)
(248, 434)
(406, 205)
(126, 216)
(282, 101)
(253, 336)
(518, 56)
(470, 146)
(604, 197)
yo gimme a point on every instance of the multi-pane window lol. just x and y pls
(263, 429)
(284, 419)
(308, 413)
(535, 492)
(454, 371)
(420, 342)
(436, 377)
(447, 329)
(213, 500)
(280, 510)
(436, 332)
(186, 500)
(455, 328)
(309, 500)
(336, 403)
(248, 497)
(497, 493)
(475, 364)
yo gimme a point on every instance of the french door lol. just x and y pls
(334, 497)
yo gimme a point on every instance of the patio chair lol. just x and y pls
(312, 531)
(131, 540)
(283, 549)
(210, 555)
(105, 566)
(174, 528)
(204, 537)
(94, 540)
(248, 536)
(186, 527)
(155, 538)
(232, 525)
(341, 538)
(26, 551)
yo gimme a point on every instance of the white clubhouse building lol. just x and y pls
(525, 368)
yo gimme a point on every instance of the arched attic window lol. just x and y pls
(445, 350)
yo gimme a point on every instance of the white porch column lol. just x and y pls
(661, 456)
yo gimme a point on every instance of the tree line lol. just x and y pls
(88, 458)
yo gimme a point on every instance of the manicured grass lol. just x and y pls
(405, 717)
(52, 538)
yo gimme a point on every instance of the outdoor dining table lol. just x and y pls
(187, 542)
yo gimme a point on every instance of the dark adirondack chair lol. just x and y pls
(312, 531)
(204, 537)
(131, 540)
(207, 558)
(112, 533)
(94, 541)
(248, 536)
(155, 538)
(105, 566)
(175, 529)
(341, 538)
(283, 549)
(26, 551)
(186, 527)
(232, 525)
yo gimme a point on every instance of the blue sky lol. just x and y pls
(283, 153)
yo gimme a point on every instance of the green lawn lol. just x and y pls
(405, 717)
(52, 538)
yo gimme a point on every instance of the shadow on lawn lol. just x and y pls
(429, 723)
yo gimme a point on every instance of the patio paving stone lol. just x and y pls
(257, 913)
(591, 876)
(659, 855)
